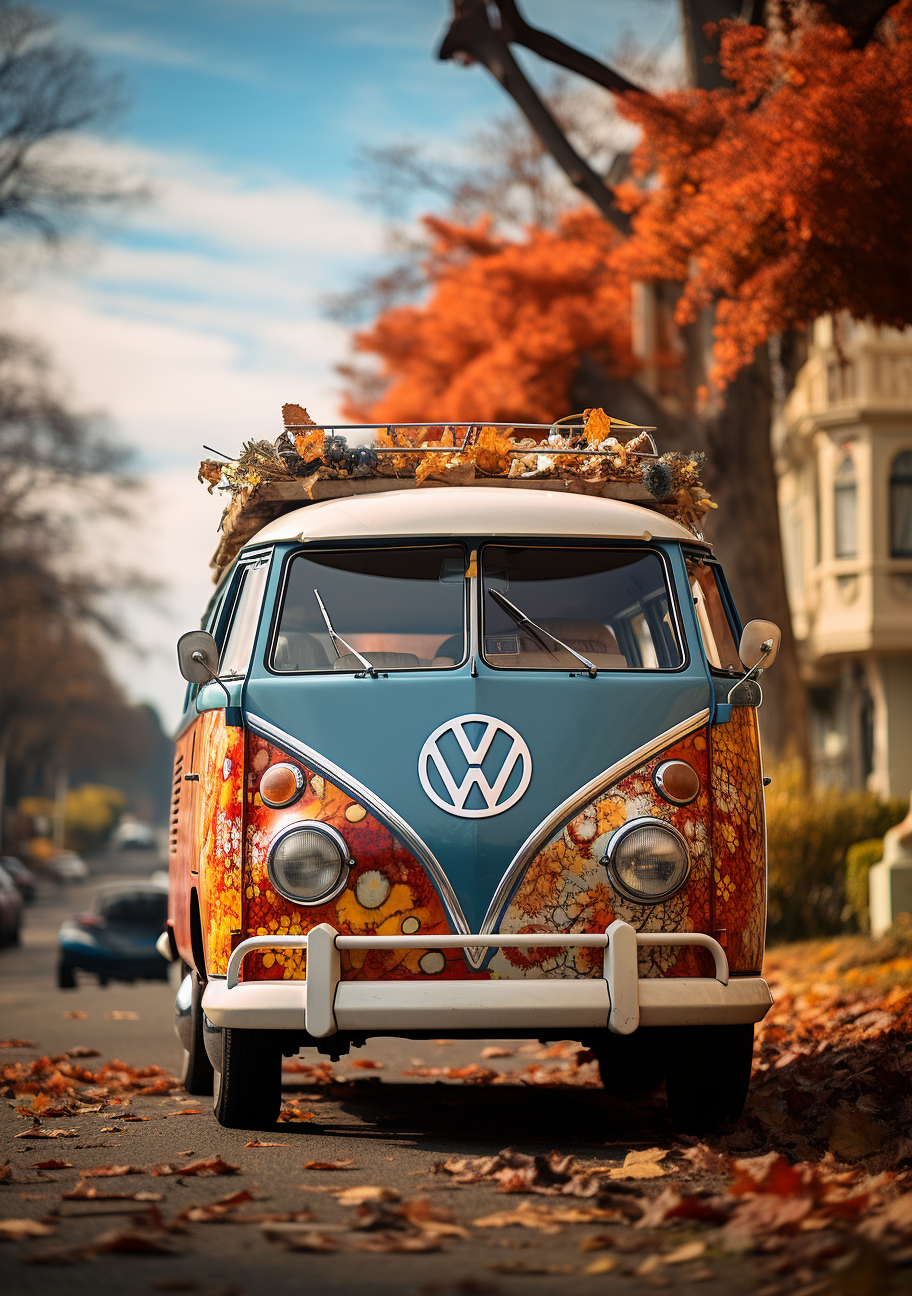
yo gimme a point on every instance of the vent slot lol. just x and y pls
(175, 802)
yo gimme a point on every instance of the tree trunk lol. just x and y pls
(745, 532)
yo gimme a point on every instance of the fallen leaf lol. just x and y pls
(683, 1254)
(17, 1043)
(75, 1014)
(186, 1111)
(18, 1230)
(523, 1267)
(259, 1143)
(305, 1240)
(42, 1133)
(854, 1135)
(387, 1243)
(367, 1064)
(88, 1192)
(80, 1051)
(212, 1166)
(216, 1211)
(367, 1193)
(492, 1051)
(603, 1266)
(53, 1165)
(110, 1171)
(120, 1014)
(134, 1240)
(640, 1165)
(329, 1165)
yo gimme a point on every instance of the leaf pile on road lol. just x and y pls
(59, 1086)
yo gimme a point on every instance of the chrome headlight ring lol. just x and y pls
(610, 859)
(279, 847)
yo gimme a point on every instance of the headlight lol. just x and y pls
(647, 860)
(309, 863)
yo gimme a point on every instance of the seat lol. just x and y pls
(590, 638)
(296, 650)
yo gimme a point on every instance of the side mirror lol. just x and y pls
(197, 656)
(759, 645)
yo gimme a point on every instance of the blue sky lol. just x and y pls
(197, 316)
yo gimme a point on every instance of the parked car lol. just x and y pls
(490, 762)
(22, 875)
(131, 834)
(116, 938)
(10, 909)
(67, 866)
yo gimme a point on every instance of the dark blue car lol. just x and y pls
(116, 939)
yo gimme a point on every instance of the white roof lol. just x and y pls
(471, 510)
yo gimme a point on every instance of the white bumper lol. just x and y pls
(323, 1004)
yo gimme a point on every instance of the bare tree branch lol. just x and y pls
(471, 37)
(516, 30)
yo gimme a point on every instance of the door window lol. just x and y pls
(715, 628)
(235, 658)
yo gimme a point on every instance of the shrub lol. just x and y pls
(859, 858)
(809, 832)
(92, 810)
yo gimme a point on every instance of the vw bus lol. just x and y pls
(475, 763)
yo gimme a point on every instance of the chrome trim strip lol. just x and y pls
(385, 813)
(558, 819)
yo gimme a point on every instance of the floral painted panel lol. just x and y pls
(566, 888)
(739, 839)
(220, 763)
(388, 891)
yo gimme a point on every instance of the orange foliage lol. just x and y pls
(787, 196)
(501, 334)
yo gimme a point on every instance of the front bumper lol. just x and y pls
(620, 999)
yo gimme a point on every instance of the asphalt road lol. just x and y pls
(392, 1128)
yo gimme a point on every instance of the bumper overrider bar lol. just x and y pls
(620, 999)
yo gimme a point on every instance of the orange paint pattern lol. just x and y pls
(739, 839)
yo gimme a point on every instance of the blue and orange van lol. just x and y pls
(473, 762)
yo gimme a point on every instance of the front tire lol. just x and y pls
(708, 1070)
(248, 1088)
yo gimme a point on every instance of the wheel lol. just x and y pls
(248, 1088)
(708, 1071)
(196, 1072)
(66, 975)
(630, 1065)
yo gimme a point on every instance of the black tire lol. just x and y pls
(631, 1065)
(707, 1075)
(248, 1089)
(66, 975)
(197, 1075)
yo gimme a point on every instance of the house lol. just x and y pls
(843, 447)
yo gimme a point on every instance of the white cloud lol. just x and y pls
(195, 326)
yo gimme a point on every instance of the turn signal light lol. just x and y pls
(281, 785)
(677, 782)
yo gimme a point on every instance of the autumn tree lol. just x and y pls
(750, 216)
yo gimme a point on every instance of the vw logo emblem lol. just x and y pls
(443, 753)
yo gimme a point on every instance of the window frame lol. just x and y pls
(893, 481)
(226, 619)
(437, 542)
(728, 607)
(532, 542)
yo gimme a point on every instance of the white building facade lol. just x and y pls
(843, 447)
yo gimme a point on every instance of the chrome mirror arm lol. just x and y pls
(755, 671)
(213, 678)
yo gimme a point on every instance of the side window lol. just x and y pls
(715, 627)
(236, 653)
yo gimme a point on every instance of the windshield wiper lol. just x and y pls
(368, 666)
(537, 631)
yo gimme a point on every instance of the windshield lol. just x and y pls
(611, 606)
(402, 609)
